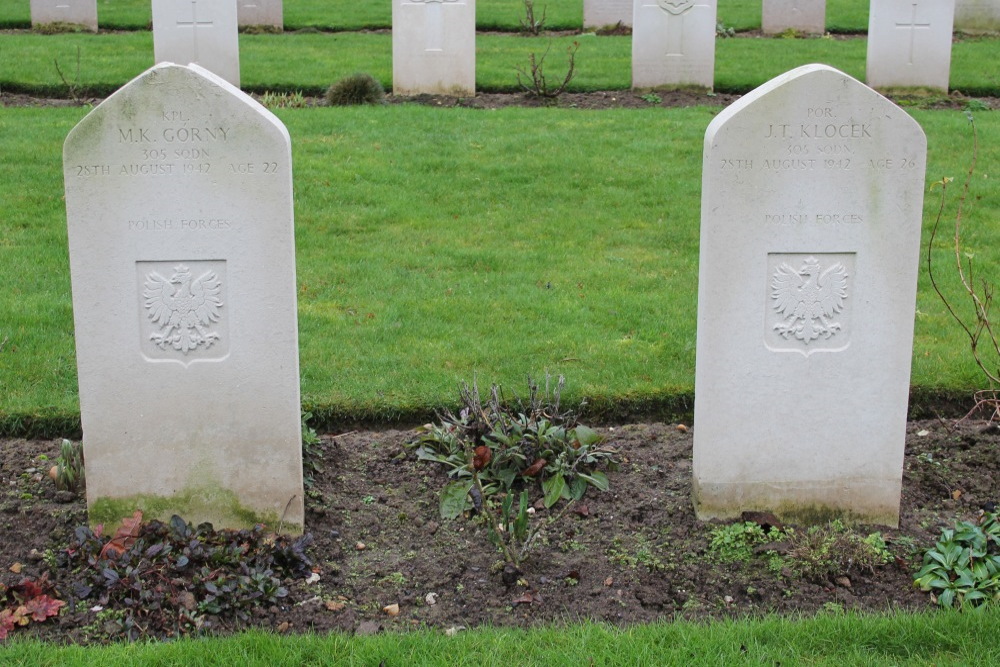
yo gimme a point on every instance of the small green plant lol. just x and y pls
(642, 553)
(736, 541)
(529, 23)
(355, 90)
(652, 98)
(833, 549)
(294, 100)
(974, 105)
(963, 567)
(69, 469)
(724, 32)
(497, 453)
(311, 451)
(536, 82)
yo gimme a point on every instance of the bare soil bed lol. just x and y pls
(633, 554)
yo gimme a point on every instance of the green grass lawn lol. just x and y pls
(311, 62)
(439, 245)
(842, 15)
(942, 638)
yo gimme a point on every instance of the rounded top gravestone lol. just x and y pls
(810, 231)
(182, 258)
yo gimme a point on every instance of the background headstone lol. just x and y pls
(434, 47)
(182, 258)
(267, 13)
(77, 12)
(198, 31)
(909, 43)
(777, 16)
(810, 238)
(977, 16)
(600, 13)
(673, 43)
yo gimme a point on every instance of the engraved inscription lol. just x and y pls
(675, 6)
(808, 299)
(183, 310)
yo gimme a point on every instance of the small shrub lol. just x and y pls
(724, 32)
(963, 567)
(497, 454)
(294, 100)
(529, 23)
(355, 90)
(536, 82)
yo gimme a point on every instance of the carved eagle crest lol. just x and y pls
(183, 308)
(808, 299)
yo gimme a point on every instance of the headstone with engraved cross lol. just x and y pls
(807, 16)
(602, 13)
(70, 12)
(434, 47)
(266, 13)
(977, 16)
(673, 43)
(909, 43)
(198, 31)
(811, 207)
(182, 259)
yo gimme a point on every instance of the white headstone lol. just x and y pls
(182, 258)
(909, 43)
(601, 13)
(74, 12)
(977, 16)
(267, 13)
(434, 47)
(810, 238)
(673, 43)
(777, 16)
(198, 31)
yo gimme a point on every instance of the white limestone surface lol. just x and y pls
(809, 16)
(977, 16)
(182, 259)
(434, 47)
(601, 13)
(673, 43)
(810, 238)
(204, 32)
(269, 13)
(76, 12)
(909, 43)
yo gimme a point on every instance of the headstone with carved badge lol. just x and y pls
(182, 259)
(811, 212)
(909, 43)
(434, 47)
(204, 32)
(673, 43)
(65, 13)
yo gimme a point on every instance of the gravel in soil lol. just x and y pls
(633, 554)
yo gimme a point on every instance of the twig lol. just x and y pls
(281, 523)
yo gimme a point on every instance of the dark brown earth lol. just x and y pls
(633, 554)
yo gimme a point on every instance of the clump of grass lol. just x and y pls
(354, 90)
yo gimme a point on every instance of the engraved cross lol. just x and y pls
(194, 24)
(434, 22)
(913, 26)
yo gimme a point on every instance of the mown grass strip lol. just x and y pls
(311, 62)
(442, 245)
(940, 638)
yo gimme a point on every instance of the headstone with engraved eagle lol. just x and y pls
(810, 230)
(182, 259)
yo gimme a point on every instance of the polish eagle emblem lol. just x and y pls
(183, 308)
(808, 299)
